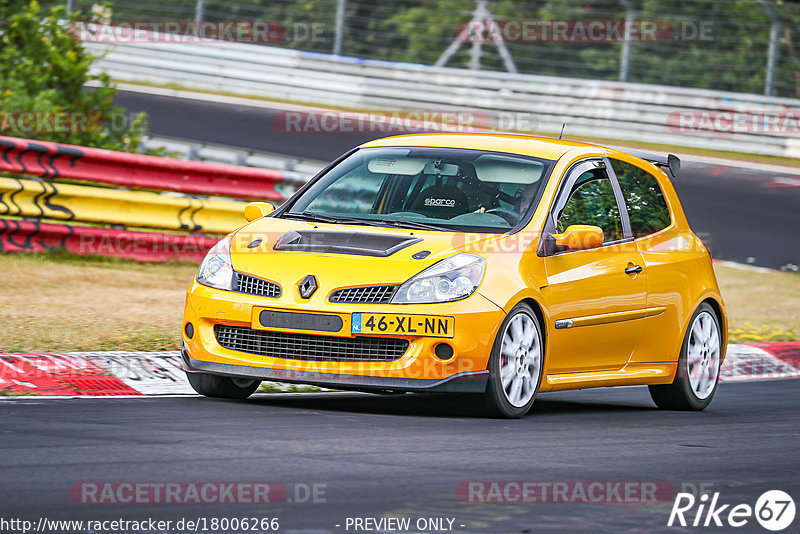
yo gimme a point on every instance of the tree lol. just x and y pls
(43, 74)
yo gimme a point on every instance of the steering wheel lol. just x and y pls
(509, 215)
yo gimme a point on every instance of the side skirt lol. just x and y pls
(632, 374)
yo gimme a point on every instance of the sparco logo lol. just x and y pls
(449, 202)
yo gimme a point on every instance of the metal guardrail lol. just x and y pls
(143, 209)
(295, 171)
(611, 110)
(18, 235)
(119, 194)
(56, 161)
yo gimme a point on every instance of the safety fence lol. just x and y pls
(747, 46)
(99, 202)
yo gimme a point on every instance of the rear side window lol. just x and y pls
(592, 202)
(647, 208)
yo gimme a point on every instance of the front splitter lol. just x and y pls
(468, 382)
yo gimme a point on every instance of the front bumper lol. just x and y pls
(419, 369)
(468, 382)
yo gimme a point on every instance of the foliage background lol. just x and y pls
(419, 31)
(43, 69)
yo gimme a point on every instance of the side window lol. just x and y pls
(592, 202)
(647, 208)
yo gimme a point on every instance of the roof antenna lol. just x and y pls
(563, 125)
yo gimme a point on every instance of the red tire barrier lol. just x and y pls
(55, 161)
(29, 236)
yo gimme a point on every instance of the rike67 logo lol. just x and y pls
(774, 510)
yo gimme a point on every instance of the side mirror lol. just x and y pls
(579, 237)
(257, 210)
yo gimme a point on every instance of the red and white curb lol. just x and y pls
(93, 373)
(761, 361)
(159, 373)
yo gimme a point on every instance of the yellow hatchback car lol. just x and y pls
(497, 265)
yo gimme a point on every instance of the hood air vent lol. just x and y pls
(354, 243)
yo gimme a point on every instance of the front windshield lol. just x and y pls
(445, 189)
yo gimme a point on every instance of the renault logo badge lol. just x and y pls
(308, 286)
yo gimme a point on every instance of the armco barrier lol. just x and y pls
(611, 110)
(32, 236)
(68, 202)
(296, 171)
(35, 201)
(55, 161)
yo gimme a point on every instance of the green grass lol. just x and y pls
(762, 307)
(65, 303)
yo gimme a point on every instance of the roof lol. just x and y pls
(541, 147)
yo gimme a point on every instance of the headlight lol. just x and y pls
(454, 278)
(217, 269)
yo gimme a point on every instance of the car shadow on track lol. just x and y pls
(432, 405)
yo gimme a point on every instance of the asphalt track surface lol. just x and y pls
(742, 214)
(405, 456)
(401, 456)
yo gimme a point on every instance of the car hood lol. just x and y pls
(285, 251)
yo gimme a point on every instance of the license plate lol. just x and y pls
(398, 324)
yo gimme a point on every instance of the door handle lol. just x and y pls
(636, 269)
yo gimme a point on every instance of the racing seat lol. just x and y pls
(526, 197)
(441, 202)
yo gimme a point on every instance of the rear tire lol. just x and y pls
(515, 365)
(698, 365)
(222, 387)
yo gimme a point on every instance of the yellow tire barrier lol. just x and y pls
(30, 198)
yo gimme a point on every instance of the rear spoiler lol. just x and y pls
(671, 162)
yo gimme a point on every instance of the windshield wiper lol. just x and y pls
(318, 217)
(414, 224)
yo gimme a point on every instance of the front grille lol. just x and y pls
(364, 295)
(310, 347)
(256, 286)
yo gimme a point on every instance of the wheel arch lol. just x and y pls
(715, 301)
(716, 305)
(538, 310)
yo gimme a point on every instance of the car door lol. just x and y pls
(667, 254)
(596, 296)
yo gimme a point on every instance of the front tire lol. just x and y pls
(698, 366)
(515, 365)
(222, 387)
